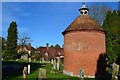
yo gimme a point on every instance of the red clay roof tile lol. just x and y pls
(83, 22)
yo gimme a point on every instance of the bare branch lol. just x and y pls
(98, 12)
(24, 39)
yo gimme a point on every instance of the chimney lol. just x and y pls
(47, 46)
(29, 44)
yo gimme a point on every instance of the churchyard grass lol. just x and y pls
(10, 73)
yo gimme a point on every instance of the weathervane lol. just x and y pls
(83, 5)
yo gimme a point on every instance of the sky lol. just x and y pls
(43, 22)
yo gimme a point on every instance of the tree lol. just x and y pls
(112, 27)
(51, 46)
(24, 39)
(57, 46)
(2, 42)
(98, 12)
(10, 51)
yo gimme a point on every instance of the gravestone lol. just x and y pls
(43, 60)
(58, 63)
(16, 59)
(34, 60)
(81, 74)
(39, 61)
(52, 71)
(115, 70)
(28, 68)
(42, 73)
(54, 64)
(24, 56)
(51, 61)
(24, 73)
(29, 59)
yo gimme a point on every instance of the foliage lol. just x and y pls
(98, 12)
(35, 56)
(112, 27)
(24, 39)
(2, 43)
(51, 46)
(10, 51)
(57, 46)
(23, 52)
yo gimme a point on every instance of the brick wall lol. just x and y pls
(82, 50)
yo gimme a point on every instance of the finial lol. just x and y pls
(83, 5)
(83, 10)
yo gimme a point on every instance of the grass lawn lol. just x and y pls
(10, 73)
(13, 69)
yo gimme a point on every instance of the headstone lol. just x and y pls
(24, 56)
(81, 74)
(58, 63)
(54, 64)
(16, 59)
(48, 62)
(115, 70)
(52, 71)
(24, 73)
(43, 60)
(28, 68)
(42, 73)
(39, 61)
(51, 61)
(34, 60)
(29, 59)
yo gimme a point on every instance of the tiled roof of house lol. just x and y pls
(28, 47)
(52, 52)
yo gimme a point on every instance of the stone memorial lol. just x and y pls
(29, 59)
(52, 71)
(28, 68)
(43, 60)
(58, 63)
(54, 64)
(115, 70)
(16, 59)
(51, 61)
(81, 74)
(42, 73)
(24, 73)
(34, 60)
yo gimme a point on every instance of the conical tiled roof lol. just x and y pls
(83, 22)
